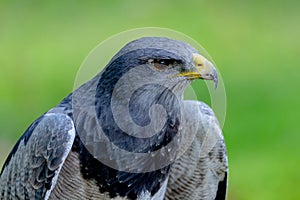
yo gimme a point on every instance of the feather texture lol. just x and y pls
(203, 167)
(34, 165)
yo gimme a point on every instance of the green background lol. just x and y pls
(255, 45)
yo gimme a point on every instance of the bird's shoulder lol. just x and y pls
(32, 167)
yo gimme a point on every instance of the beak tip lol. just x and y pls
(215, 78)
(216, 83)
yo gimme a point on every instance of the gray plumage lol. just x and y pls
(73, 151)
(198, 173)
(37, 162)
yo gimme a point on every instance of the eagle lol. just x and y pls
(127, 133)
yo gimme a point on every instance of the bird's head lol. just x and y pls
(164, 61)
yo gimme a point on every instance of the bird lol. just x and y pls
(127, 133)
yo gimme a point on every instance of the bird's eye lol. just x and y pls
(161, 64)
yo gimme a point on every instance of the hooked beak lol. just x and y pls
(202, 69)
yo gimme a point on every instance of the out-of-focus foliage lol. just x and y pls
(255, 44)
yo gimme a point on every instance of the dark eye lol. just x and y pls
(161, 64)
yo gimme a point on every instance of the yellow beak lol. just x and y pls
(202, 69)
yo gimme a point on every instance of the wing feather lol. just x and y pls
(32, 168)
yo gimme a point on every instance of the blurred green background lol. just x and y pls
(255, 44)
